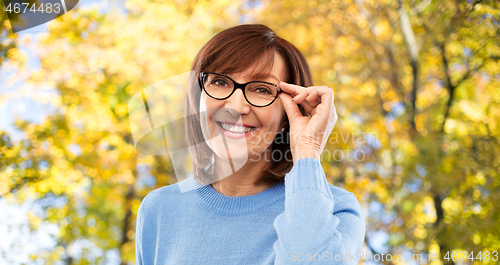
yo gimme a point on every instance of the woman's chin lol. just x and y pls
(239, 156)
(230, 150)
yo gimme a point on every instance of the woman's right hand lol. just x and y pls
(308, 134)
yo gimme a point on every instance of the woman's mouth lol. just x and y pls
(234, 131)
(233, 128)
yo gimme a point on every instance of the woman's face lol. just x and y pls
(221, 120)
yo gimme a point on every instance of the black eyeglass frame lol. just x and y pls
(237, 86)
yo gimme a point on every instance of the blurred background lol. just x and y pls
(417, 141)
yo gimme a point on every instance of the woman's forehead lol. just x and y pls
(277, 70)
(266, 68)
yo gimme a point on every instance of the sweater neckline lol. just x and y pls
(239, 205)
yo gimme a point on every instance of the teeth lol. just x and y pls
(236, 128)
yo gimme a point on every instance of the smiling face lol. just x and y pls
(248, 130)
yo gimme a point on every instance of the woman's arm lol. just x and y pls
(319, 223)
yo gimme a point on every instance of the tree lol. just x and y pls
(84, 154)
(416, 89)
(7, 37)
(424, 77)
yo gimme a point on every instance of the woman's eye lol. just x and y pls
(262, 90)
(219, 83)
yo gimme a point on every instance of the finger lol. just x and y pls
(291, 88)
(326, 98)
(300, 99)
(313, 95)
(326, 104)
(325, 94)
(291, 108)
(301, 96)
(307, 107)
(310, 97)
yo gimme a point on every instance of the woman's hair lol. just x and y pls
(231, 51)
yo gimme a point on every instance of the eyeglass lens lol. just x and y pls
(257, 93)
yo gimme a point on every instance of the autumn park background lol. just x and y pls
(416, 88)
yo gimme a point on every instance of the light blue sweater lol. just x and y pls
(296, 222)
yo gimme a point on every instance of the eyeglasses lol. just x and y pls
(256, 93)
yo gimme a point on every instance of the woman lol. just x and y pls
(256, 90)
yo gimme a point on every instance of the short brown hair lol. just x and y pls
(232, 51)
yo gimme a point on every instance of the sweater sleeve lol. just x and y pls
(317, 224)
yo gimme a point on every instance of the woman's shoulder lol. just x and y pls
(167, 193)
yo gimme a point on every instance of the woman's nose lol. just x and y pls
(237, 102)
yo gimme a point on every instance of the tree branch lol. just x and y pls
(413, 50)
(439, 209)
(129, 197)
(449, 86)
(452, 87)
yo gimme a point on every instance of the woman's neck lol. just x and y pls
(243, 182)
